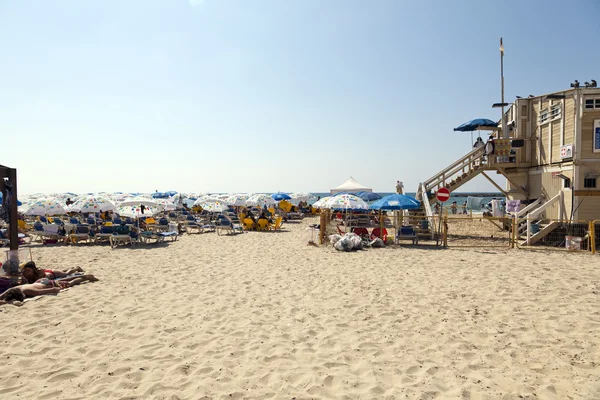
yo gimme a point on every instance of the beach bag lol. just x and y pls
(333, 239)
(377, 243)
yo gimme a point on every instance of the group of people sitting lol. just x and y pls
(37, 282)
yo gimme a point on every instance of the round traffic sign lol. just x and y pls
(443, 194)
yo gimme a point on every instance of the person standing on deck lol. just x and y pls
(399, 187)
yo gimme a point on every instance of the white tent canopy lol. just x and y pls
(350, 186)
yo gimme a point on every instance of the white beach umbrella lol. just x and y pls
(138, 201)
(135, 211)
(321, 203)
(166, 205)
(92, 204)
(236, 200)
(203, 198)
(45, 206)
(260, 200)
(346, 202)
(212, 205)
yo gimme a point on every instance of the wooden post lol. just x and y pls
(593, 233)
(322, 226)
(445, 237)
(14, 225)
(515, 227)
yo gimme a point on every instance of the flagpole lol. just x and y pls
(504, 127)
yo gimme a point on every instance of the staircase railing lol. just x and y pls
(464, 164)
(530, 207)
(535, 213)
(427, 207)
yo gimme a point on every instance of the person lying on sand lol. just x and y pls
(32, 273)
(41, 287)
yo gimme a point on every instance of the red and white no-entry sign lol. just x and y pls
(443, 195)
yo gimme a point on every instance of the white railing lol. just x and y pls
(535, 213)
(530, 207)
(427, 208)
(465, 164)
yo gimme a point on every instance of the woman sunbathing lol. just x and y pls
(32, 273)
(43, 286)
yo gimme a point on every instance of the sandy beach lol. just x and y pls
(265, 316)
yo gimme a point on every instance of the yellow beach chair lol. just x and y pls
(248, 224)
(277, 226)
(263, 224)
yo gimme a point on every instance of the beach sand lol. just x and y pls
(264, 315)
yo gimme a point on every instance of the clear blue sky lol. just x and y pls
(222, 96)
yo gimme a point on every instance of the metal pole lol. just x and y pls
(504, 127)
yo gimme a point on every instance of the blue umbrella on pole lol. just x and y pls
(368, 196)
(280, 196)
(396, 202)
(478, 124)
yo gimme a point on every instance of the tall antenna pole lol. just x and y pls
(504, 123)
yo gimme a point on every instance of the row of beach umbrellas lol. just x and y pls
(350, 202)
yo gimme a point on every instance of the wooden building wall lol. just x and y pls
(587, 134)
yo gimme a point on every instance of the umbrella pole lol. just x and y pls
(380, 224)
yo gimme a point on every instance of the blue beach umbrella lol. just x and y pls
(368, 196)
(280, 196)
(396, 202)
(478, 124)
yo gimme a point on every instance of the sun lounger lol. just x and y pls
(81, 235)
(407, 233)
(168, 235)
(106, 232)
(116, 240)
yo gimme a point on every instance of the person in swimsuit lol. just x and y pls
(21, 292)
(32, 273)
(41, 287)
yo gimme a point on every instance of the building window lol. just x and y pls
(589, 183)
(592, 104)
(550, 114)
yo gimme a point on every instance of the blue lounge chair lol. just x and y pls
(407, 233)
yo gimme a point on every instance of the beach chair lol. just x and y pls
(38, 229)
(81, 235)
(168, 235)
(106, 232)
(122, 235)
(149, 236)
(377, 233)
(263, 224)
(361, 231)
(193, 227)
(91, 221)
(49, 234)
(207, 225)
(74, 221)
(163, 224)
(43, 219)
(277, 225)
(407, 233)
(223, 226)
(118, 221)
(4, 241)
(248, 224)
